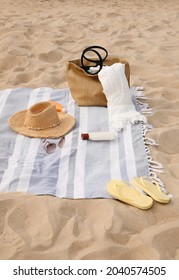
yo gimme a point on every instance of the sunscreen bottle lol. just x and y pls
(59, 107)
(99, 136)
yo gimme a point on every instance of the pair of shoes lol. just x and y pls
(132, 194)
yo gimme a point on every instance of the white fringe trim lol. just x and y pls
(154, 166)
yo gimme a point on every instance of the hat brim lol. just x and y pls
(17, 120)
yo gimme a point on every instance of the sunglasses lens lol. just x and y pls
(61, 142)
(50, 148)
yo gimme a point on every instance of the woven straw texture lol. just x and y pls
(41, 121)
(86, 89)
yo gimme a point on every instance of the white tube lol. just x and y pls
(99, 136)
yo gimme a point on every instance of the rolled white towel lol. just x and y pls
(121, 109)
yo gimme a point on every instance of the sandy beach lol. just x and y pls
(37, 38)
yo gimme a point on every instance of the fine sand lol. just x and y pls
(36, 39)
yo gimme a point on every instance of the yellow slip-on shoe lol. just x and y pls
(152, 188)
(128, 193)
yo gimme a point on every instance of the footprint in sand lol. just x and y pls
(51, 57)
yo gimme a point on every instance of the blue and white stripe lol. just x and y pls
(81, 169)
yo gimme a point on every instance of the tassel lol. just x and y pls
(149, 141)
(154, 166)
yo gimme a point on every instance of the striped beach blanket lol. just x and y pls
(76, 169)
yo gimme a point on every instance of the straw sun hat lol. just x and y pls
(41, 121)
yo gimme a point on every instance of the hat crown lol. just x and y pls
(42, 115)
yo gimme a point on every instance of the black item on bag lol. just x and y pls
(93, 62)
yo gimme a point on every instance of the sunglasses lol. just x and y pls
(51, 147)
